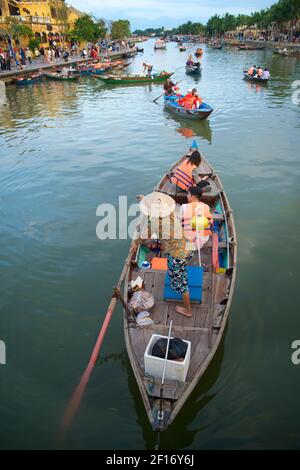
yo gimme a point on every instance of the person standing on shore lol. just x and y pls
(28, 55)
(42, 54)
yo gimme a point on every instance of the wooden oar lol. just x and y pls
(154, 101)
(76, 398)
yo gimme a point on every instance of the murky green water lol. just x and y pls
(64, 149)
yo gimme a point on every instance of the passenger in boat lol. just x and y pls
(266, 75)
(148, 68)
(191, 100)
(252, 71)
(186, 174)
(260, 72)
(169, 87)
(160, 211)
(190, 61)
(195, 230)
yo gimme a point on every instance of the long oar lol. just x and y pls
(154, 101)
(76, 398)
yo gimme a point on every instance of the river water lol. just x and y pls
(65, 148)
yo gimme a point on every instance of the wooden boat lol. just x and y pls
(205, 329)
(182, 48)
(218, 47)
(286, 52)
(251, 48)
(254, 79)
(160, 45)
(172, 105)
(193, 69)
(21, 81)
(139, 50)
(59, 76)
(134, 79)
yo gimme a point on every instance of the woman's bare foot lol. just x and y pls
(183, 311)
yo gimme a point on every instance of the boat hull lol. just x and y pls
(249, 78)
(197, 115)
(205, 337)
(133, 80)
(193, 70)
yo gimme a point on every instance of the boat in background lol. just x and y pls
(29, 80)
(193, 69)
(257, 79)
(245, 47)
(134, 79)
(160, 44)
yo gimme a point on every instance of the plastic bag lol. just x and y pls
(177, 348)
(141, 301)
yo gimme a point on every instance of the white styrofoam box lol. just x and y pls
(174, 370)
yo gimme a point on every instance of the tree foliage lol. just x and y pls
(120, 29)
(89, 29)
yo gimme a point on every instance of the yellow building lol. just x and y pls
(48, 19)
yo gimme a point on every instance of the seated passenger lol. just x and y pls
(191, 100)
(260, 72)
(186, 174)
(266, 74)
(252, 71)
(190, 61)
(196, 219)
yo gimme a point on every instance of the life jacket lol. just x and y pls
(191, 210)
(183, 176)
(250, 71)
(187, 101)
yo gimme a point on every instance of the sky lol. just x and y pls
(168, 13)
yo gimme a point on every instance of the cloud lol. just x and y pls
(148, 12)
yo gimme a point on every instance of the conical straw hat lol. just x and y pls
(157, 205)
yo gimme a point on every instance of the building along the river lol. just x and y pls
(48, 19)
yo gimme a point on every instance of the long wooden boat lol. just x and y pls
(193, 69)
(60, 76)
(136, 79)
(286, 52)
(21, 81)
(251, 48)
(205, 329)
(172, 105)
(250, 78)
(182, 48)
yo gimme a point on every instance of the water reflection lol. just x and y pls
(192, 128)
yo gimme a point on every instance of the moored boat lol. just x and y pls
(21, 81)
(71, 76)
(250, 48)
(174, 107)
(254, 79)
(134, 79)
(211, 277)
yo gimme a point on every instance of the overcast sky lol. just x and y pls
(169, 13)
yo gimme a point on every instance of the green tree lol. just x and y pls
(120, 29)
(88, 29)
(33, 44)
(13, 29)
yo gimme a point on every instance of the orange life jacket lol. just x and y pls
(187, 101)
(250, 71)
(183, 176)
(188, 212)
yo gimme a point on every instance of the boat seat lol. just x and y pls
(195, 277)
(175, 192)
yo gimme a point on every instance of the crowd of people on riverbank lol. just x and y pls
(20, 57)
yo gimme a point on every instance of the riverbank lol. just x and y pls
(37, 66)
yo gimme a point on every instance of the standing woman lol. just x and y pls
(163, 224)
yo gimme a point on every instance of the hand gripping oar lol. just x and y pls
(76, 398)
(154, 101)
